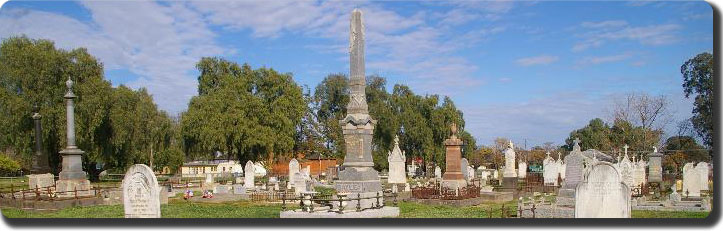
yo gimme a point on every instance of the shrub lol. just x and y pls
(7, 165)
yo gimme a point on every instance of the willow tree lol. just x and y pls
(245, 113)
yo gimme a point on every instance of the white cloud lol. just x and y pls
(537, 60)
(604, 59)
(158, 42)
(606, 31)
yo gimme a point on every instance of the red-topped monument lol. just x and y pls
(453, 177)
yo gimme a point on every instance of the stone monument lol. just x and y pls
(463, 164)
(522, 170)
(141, 193)
(550, 170)
(437, 172)
(72, 177)
(357, 175)
(293, 169)
(249, 175)
(396, 158)
(602, 194)
(510, 161)
(626, 168)
(40, 160)
(573, 175)
(703, 171)
(453, 177)
(655, 167)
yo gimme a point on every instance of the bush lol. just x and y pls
(7, 165)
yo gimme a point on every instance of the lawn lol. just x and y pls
(245, 209)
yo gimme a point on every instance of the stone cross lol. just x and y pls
(655, 149)
(626, 149)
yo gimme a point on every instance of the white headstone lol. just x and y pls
(41, 181)
(626, 168)
(521, 170)
(209, 178)
(463, 164)
(299, 183)
(249, 175)
(293, 169)
(437, 172)
(396, 159)
(141, 193)
(639, 174)
(470, 173)
(510, 161)
(602, 194)
(259, 170)
(550, 171)
(691, 181)
(703, 171)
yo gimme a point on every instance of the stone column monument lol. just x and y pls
(72, 177)
(358, 174)
(453, 177)
(40, 160)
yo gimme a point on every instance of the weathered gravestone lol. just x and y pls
(437, 172)
(573, 175)
(550, 171)
(41, 181)
(655, 167)
(509, 169)
(626, 168)
(521, 170)
(141, 193)
(602, 194)
(300, 181)
(249, 175)
(639, 174)
(463, 164)
(396, 160)
(691, 181)
(470, 173)
(293, 169)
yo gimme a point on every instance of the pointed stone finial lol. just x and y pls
(396, 140)
(511, 145)
(655, 149)
(548, 154)
(559, 156)
(626, 149)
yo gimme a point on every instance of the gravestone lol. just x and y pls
(562, 168)
(453, 178)
(209, 178)
(655, 167)
(639, 174)
(463, 164)
(509, 169)
(471, 173)
(522, 170)
(141, 193)
(239, 189)
(703, 171)
(691, 181)
(602, 194)
(300, 183)
(293, 169)
(626, 168)
(396, 160)
(249, 175)
(574, 168)
(437, 172)
(550, 171)
(41, 181)
(222, 189)
(71, 177)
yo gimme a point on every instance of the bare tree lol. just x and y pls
(641, 109)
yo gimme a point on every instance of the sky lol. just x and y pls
(531, 71)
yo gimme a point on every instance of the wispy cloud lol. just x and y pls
(599, 33)
(604, 59)
(160, 43)
(537, 60)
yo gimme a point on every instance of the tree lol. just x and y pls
(693, 152)
(245, 113)
(648, 112)
(698, 81)
(8, 166)
(596, 135)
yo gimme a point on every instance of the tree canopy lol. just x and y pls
(698, 82)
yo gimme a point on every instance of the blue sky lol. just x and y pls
(530, 71)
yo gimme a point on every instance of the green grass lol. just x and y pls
(246, 209)
(416, 210)
(667, 214)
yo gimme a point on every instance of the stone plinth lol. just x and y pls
(453, 178)
(41, 181)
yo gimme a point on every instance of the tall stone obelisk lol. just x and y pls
(71, 177)
(358, 174)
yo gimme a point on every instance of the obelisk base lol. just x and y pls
(454, 184)
(72, 179)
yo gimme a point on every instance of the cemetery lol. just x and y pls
(363, 179)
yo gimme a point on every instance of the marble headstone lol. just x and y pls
(41, 181)
(550, 171)
(574, 168)
(691, 181)
(396, 160)
(437, 172)
(639, 173)
(141, 193)
(521, 170)
(293, 169)
(463, 164)
(602, 194)
(509, 169)
(655, 167)
(249, 175)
